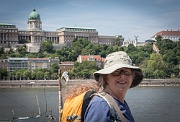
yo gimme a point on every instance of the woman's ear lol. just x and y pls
(105, 78)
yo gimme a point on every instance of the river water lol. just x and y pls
(148, 104)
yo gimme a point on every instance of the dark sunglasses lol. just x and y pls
(120, 72)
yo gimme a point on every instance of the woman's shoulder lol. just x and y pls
(97, 100)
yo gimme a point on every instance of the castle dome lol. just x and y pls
(34, 15)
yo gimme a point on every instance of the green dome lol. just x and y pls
(34, 15)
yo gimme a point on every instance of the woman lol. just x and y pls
(117, 76)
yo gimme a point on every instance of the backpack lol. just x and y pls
(74, 109)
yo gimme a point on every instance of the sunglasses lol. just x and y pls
(120, 72)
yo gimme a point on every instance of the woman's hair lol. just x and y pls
(102, 82)
(78, 88)
(137, 76)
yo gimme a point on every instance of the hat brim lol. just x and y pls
(137, 72)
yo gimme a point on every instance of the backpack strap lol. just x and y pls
(87, 98)
(111, 102)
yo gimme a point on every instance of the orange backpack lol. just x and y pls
(74, 109)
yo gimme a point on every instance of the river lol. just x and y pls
(148, 104)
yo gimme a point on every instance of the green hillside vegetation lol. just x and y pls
(163, 65)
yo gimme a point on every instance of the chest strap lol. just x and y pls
(111, 102)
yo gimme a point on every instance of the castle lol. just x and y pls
(10, 35)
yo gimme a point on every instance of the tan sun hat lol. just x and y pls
(117, 60)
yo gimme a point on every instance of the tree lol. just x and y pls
(109, 49)
(27, 74)
(117, 41)
(131, 48)
(3, 73)
(10, 51)
(33, 75)
(159, 38)
(40, 75)
(169, 57)
(21, 50)
(147, 48)
(156, 66)
(84, 69)
(54, 68)
(46, 46)
(13, 74)
(47, 75)
(1, 50)
(17, 75)
(54, 76)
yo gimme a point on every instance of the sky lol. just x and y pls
(129, 18)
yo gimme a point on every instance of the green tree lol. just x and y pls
(54, 76)
(17, 75)
(131, 48)
(159, 38)
(13, 74)
(46, 46)
(33, 75)
(63, 53)
(40, 75)
(147, 48)
(10, 51)
(27, 74)
(3, 73)
(1, 50)
(47, 75)
(84, 69)
(117, 41)
(21, 50)
(54, 67)
(156, 66)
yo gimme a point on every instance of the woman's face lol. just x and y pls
(120, 80)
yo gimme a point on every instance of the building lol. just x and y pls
(17, 64)
(127, 42)
(110, 40)
(38, 63)
(10, 34)
(66, 66)
(30, 63)
(68, 34)
(35, 35)
(169, 34)
(135, 43)
(95, 58)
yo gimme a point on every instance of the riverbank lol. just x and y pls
(28, 83)
(160, 82)
(54, 83)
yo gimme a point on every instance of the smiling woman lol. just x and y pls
(117, 76)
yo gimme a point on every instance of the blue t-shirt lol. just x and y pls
(98, 110)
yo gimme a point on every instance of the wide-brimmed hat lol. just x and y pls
(117, 60)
